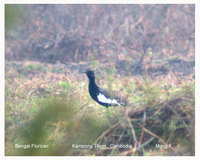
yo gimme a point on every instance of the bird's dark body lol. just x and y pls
(94, 90)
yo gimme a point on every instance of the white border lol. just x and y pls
(197, 68)
(197, 80)
(103, 1)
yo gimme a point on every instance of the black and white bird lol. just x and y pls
(100, 95)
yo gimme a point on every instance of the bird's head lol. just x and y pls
(90, 74)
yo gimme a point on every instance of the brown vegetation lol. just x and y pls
(146, 52)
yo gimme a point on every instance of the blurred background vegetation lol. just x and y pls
(146, 52)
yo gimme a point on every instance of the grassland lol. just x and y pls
(49, 104)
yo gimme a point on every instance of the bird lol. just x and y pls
(101, 96)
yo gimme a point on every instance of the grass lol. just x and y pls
(46, 106)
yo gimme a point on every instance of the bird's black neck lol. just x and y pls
(93, 88)
(92, 83)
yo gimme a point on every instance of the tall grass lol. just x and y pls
(56, 110)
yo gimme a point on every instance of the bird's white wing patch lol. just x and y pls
(103, 99)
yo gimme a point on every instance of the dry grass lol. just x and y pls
(144, 52)
(45, 104)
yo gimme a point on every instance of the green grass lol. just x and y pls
(47, 107)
